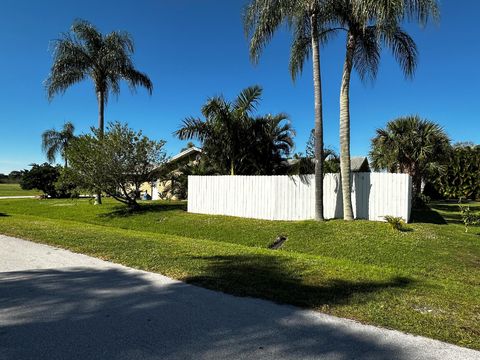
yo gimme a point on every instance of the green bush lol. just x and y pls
(462, 173)
(41, 177)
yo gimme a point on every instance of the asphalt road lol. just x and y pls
(55, 304)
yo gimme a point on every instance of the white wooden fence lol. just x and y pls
(374, 195)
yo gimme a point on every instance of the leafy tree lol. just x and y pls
(369, 26)
(41, 177)
(410, 145)
(56, 142)
(461, 178)
(117, 162)
(306, 19)
(106, 59)
(236, 143)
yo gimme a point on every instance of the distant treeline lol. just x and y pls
(13, 178)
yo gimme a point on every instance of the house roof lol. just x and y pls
(186, 153)
(359, 164)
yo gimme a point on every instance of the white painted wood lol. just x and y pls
(374, 195)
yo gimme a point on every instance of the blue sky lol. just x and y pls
(195, 49)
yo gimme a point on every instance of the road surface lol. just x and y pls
(55, 304)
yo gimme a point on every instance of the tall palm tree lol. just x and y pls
(56, 142)
(369, 26)
(106, 59)
(410, 145)
(306, 19)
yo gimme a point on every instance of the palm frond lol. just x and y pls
(248, 99)
(192, 128)
(301, 47)
(366, 58)
(261, 20)
(403, 48)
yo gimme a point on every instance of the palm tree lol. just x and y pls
(410, 145)
(222, 132)
(369, 26)
(106, 59)
(305, 18)
(272, 144)
(234, 141)
(56, 142)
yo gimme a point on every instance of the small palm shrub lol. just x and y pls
(468, 217)
(395, 222)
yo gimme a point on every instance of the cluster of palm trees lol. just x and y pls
(235, 141)
(368, 26)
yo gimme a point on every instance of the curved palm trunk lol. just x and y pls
(345, 170)
(101, 127)
(317, 85)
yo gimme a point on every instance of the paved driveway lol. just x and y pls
(55, 304)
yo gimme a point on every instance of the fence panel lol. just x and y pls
(374, 195)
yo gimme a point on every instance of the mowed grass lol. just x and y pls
(16, 190)
(423, 281)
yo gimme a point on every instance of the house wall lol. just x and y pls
(374, 195)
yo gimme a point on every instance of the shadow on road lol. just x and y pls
(80, 313)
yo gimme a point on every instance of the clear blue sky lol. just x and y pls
(195, 49)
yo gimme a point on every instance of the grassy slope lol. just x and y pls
(424, 281)
(15, 190)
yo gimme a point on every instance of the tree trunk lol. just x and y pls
(317, 86)
(232, 168)
(345, 166)
(101, 128)
(101, 110)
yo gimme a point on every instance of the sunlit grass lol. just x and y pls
(425, 281)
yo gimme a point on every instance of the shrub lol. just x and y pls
(41, 177)
(462, 173)
(395, 222)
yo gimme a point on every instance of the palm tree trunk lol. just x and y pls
(101, 110)
(345, 168)
(101, 128)
(317, 86)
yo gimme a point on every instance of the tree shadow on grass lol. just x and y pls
(428, 216)
(86, 313)
(125, 211)
(270, 278)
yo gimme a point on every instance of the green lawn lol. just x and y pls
(15, 190)
(423, 281)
